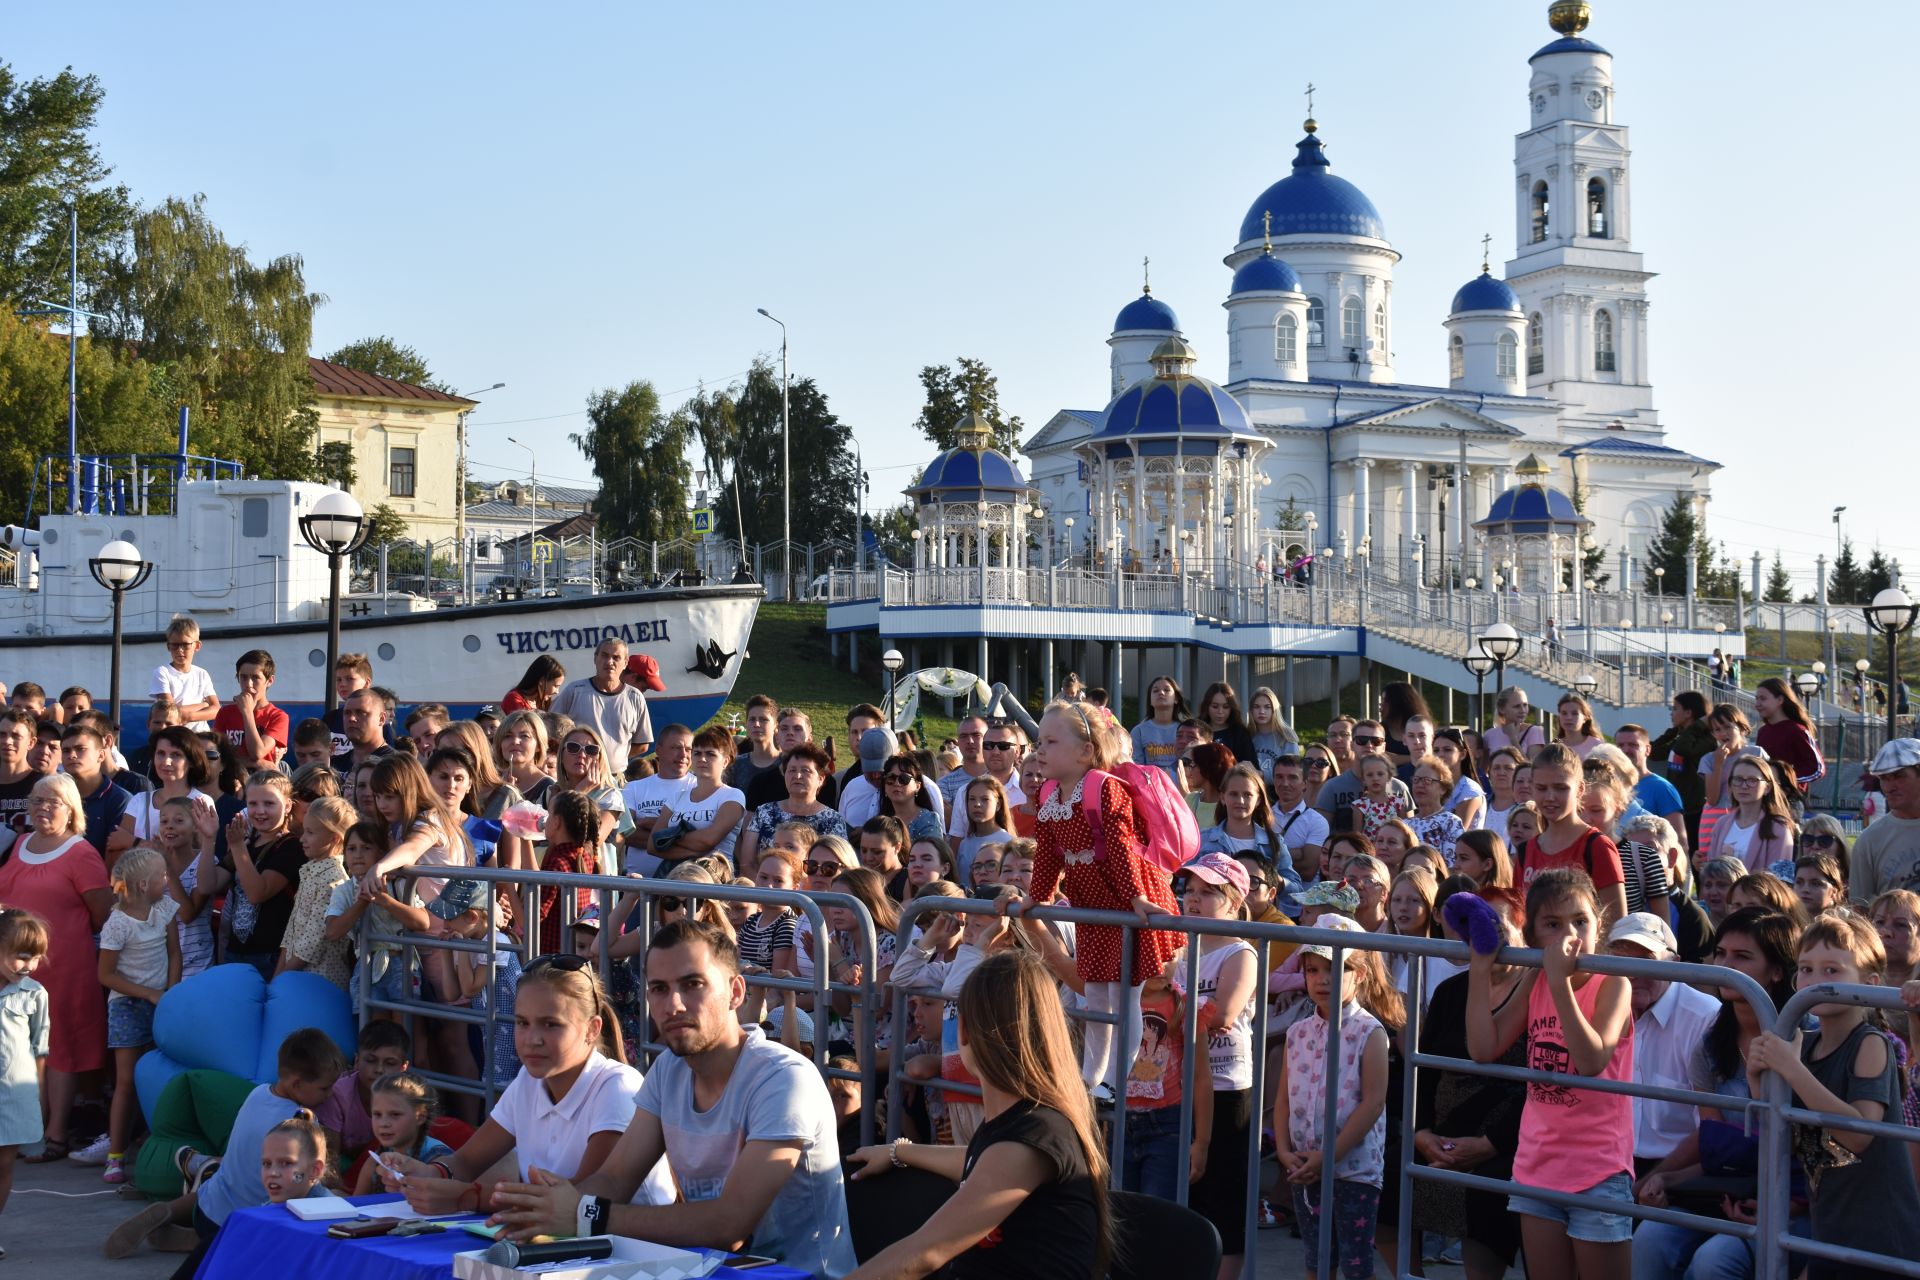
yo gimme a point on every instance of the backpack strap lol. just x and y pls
(1092, 785)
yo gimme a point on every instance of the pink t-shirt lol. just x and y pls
(1572, 1139)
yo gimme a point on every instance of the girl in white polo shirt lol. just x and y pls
(570, 1103)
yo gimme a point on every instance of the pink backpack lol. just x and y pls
(1173, 837)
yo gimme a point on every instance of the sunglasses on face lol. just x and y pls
(582, 749)
(1316, 766)
(673, 904)
(822, 868)
(1367, 740)
(999, 746)
(901, 779)
(1821, 840)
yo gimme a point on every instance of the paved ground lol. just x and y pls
(58, 1217)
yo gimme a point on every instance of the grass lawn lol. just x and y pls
(1806, 647)
(787, 657)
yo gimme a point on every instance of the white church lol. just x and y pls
(1547, 363)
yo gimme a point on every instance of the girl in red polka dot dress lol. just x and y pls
(1102, 871)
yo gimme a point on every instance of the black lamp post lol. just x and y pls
(336, 528)
(1479, 664)
(119, 568)
(1891, 613)
(1585, 683)
(1501, 643)
(892, 661)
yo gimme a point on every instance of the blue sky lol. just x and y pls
(568, 197)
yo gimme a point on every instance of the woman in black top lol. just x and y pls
(1032, 1202)
(1220, 712)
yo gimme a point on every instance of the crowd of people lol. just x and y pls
(235, 836)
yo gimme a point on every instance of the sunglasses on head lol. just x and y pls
(564, 962)
(582, 749)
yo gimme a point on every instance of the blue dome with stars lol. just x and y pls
(1312, 201)
(1266, 274)
(1149, 313)
(1484, 293)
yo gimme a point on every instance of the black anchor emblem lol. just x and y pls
(710, 660)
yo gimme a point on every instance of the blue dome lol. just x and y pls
(1484, 293)
(1184, 406)
(964, 469)
(1532, 508)
(1266, 274)
(1570, 44)
(1313, 201)
(1147, 312)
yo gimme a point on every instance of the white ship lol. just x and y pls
(228, 552)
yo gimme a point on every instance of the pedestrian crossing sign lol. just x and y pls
(703, 520)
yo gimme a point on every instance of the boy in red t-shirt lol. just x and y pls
(257, 728)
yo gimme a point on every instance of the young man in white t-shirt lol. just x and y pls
(190, 687)
(645, 796)
(746, 1125)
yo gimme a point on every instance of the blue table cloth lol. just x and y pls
(272, 1237)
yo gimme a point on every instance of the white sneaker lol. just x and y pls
(94, 1152)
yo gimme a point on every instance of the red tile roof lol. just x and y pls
(330, 379)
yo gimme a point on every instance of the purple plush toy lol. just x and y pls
(1469, 916)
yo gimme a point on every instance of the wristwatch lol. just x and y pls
(591, 1218)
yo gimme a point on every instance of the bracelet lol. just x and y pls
(893, 1151)
(590, 1219)
(441, 1165)
(479, 1195)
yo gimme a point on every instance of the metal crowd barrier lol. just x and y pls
(1775, 1188)
(1418, 951)
(615, 897)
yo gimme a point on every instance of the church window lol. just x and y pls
(1457, 358)
(1352, 326)
(1380, 325)
(1316, 323)
(1597, 209)
(1506, 357)
(1285, 340)
(1603, 342)
(1536, 345)
(1233, 349)
(1541, 213)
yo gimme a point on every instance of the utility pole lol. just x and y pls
(786, 465)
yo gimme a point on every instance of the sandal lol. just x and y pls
(53, 1149)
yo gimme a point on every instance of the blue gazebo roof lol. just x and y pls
(1532, 508)
(970, 471)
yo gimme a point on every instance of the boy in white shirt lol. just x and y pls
(190, 687)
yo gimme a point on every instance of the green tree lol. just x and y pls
(336, 465)
(126, 406)
(824, 479)
(1779, 585)
(383, 357)
(47, 161)
(384, 525)
(1845, 584)
(893, 530)
(1877, 578)
(1593, 555)
(1683, 536)
(952, 392)
(708, 420)
(639, 456)
(232, 334)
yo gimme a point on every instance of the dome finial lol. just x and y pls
(1173, 359)
(972, 433)
(1146, 275)
(1486, 254)
(1266, 228)
(1311, 125)
(1532, 468)
(1569, 17)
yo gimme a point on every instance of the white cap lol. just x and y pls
(1647, 931)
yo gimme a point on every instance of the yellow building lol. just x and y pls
(404, 441)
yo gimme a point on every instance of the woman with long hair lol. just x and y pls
(1786, 733)
(1399, 703)
(1272, 736)
(491, 793)
(900, 783)
(1731, 732)
(1467, 799)
(1319, 766)
(179, 764)
(1244, 822)
(538, 688)
(1760, 830)
(1156, 737)
(1034, 1176)
(1220, 712)
(586, 767)
(1510, 727)
(1578, 732)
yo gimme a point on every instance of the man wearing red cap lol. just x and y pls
(610, 704)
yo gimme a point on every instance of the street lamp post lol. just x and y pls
(460, 494)
(336, 528)
(1069, 523)
(1666, 652)
(786, 464)
(1585, 683)
(1891, 613)
(892, 661)
(1503, 644)
(1478, 664)
(533, 512)
(119, 568)
(1626, 625)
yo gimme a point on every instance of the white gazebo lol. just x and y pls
(1537, 529)
(1173, 472)
(973, 506)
